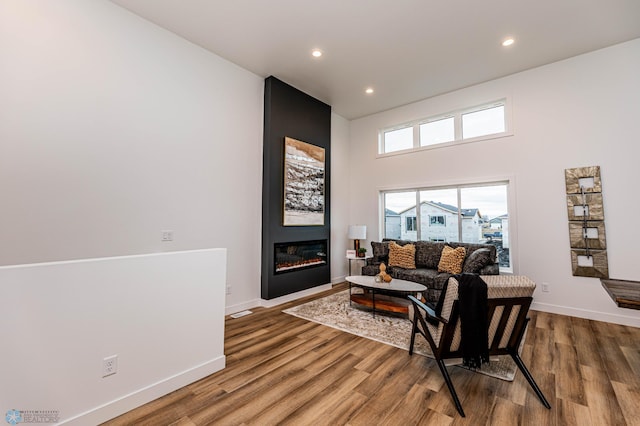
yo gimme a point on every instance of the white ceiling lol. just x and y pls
(407, 50)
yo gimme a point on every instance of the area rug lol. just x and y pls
(334, 311)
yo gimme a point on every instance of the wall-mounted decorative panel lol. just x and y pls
(594, 232)
(586, 222)
(583, 177)
(590, 264)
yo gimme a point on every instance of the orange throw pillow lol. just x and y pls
(402, 256)
(451, 260)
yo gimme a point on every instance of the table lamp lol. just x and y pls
(357, 233)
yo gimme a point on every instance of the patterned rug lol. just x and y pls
(334, 311)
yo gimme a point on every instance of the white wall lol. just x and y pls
(61, 319)
(340, 163)
(579, 112)
(113, 129)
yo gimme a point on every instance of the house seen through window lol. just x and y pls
(468, 213)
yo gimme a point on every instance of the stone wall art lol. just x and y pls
(586, 222)
(303, 184)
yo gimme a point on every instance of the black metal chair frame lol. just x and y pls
(442, 352)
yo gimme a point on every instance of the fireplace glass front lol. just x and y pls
(295, 256)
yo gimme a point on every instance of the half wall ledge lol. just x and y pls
(625, 293)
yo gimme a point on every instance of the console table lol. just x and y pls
(351, 258)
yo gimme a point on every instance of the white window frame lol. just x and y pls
(457, 116)
(509, 181)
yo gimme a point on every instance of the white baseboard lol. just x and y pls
(294, 296)
(586, 314)
(338, 280)
(232, 309)
(147, 394)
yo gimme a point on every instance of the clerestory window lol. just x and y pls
(481, 122)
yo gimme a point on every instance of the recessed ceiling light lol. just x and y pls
(508, 42)
(316, 53)
(368, 90)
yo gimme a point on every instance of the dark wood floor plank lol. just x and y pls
(563, 330)
(543, 359)
(338, 414)
(535, 413)
(266, 390)
(505, 412)
(601, 398)
(254, 372)
(478, 396)
(615, 361)
(397, 381)
(632, 355)
(322, 404)
(298, 396)
(572, 414)
(569, 384)
(392, 365)
(585, 341)
(629, 400)
(408, 411)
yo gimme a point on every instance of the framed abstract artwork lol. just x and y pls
(304, 173)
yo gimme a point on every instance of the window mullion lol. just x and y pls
(418, 216)
(457, 123)
(459, 214)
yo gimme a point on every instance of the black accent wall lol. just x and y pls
(292, 113)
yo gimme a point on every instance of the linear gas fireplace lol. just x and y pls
(299, 255)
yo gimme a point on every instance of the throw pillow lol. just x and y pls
(477, 260)
(451, 260)
(380, 252)
(402, 256)
(428, 254)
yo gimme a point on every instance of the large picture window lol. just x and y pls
(473, 213)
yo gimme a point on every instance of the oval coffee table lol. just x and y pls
(391, 296)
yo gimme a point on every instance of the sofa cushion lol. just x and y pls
(428, 254)
(471, 247)
(431, 278)
(402, 256)
(451, 259)
(476, 260)
(380, 252)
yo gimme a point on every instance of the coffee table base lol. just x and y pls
(389, 297)
(382, 303)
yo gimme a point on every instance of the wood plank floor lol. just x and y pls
(282, 370)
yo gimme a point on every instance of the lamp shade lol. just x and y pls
(357, 232)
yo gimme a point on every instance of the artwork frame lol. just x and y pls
(304, 184)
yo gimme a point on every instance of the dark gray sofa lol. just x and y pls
(484, 262)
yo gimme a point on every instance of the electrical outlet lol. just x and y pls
(166, 235)
(110, 365)
(228, 289)
(545, 287)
